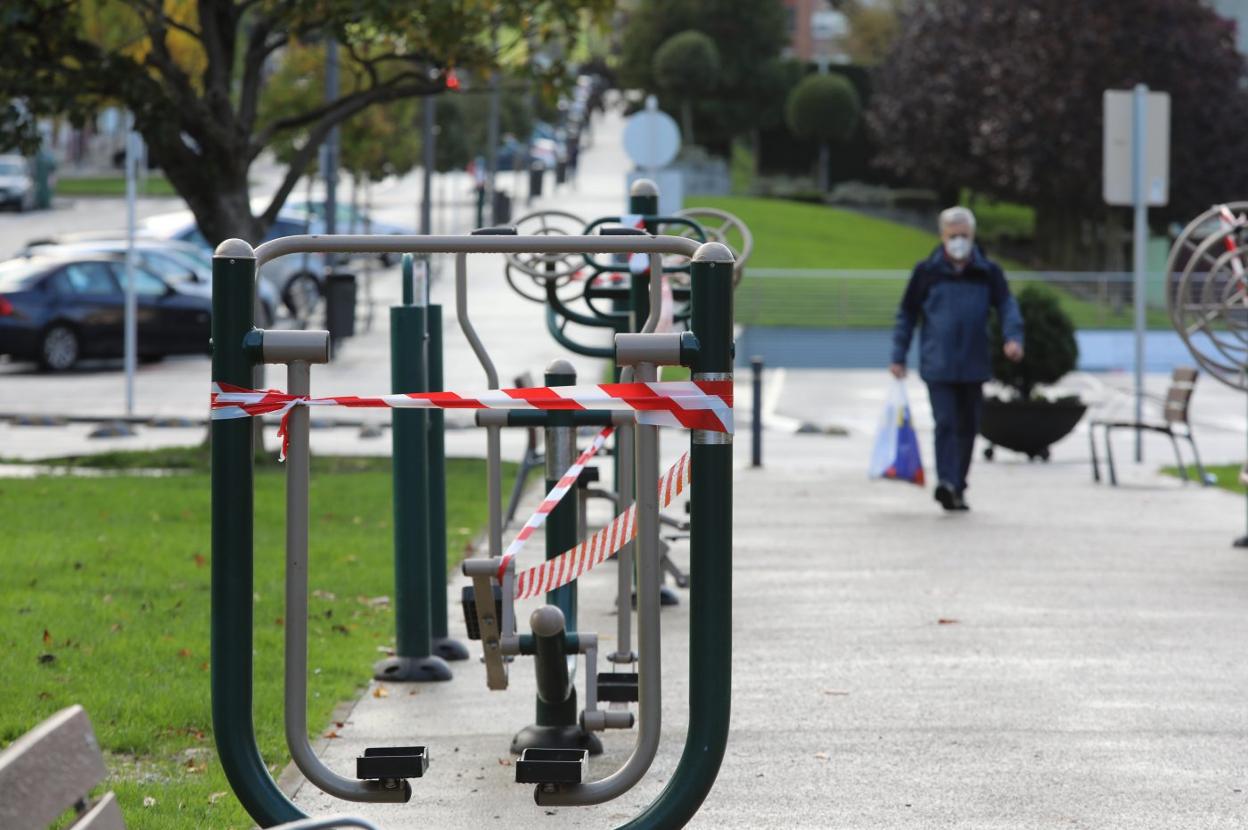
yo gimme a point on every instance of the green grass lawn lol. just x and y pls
(797, 235)
(1227, 475)
(153, 185)
(106, 602)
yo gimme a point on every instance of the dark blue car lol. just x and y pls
(57, 310)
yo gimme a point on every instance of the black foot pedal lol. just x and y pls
(617, 687)
(379, 763)
(552, 766)
(469, 600)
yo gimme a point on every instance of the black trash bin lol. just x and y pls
(502, 208)
(536, 173)
(340, 306)
(561, 172)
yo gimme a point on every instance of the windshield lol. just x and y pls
(12, 168)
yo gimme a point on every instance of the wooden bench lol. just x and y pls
(52, 769)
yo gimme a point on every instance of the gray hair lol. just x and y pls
(957, 215)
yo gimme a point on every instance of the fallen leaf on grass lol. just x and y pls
(47, 638)
(184, 652)
(215, 797)
(200, 561)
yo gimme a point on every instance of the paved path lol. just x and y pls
(1064, 655)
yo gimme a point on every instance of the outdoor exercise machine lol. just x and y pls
(1207, 296)
(382, 774)
(574, 288)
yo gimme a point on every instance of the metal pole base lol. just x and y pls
(555, 737)
(622, 657)
(412, 669)
(1241, 542)
(449, 649)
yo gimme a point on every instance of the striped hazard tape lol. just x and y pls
(556, 494)
(567, 566)
(705, 404)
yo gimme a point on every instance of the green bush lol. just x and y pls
(1050, 350)
(824, 108)
(686, 67)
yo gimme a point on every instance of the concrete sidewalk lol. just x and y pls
(1065, 655)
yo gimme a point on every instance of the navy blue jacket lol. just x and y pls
(953, 307)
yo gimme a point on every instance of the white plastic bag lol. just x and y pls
(896, 451)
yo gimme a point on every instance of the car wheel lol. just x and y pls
(302, 294)
(59, 349)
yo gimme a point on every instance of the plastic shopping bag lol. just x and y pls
(896, 451)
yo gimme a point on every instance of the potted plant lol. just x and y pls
(1023, 419)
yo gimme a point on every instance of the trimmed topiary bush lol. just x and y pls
(823, 108)
(1050, 350)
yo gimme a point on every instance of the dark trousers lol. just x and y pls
(956, 408)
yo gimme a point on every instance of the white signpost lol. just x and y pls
(1136, 165)
(652, 140)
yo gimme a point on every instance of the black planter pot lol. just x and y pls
(1029, 427)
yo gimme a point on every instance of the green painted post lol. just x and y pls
(710, 561)
(413, 659)
(557, 724)
(443, 645)
(233, 290)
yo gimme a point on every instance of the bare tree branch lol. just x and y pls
(338, 110)
(304, 155)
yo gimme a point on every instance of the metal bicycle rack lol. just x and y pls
(382, 773)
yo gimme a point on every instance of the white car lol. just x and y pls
(300, 278)
(17, 188)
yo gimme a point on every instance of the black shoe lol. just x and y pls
(946, 496)
(961, 504)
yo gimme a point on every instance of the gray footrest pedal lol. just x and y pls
(617, 687)
(552, 766)
(379, 763)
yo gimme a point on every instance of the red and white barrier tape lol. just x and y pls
(556, 494)
(705, 404)
(567, 566)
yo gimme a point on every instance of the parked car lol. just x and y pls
(300, 278)
(17, 187)
(349, 220)
(59, 309)
(181, 264)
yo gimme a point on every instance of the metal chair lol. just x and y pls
(1175, 411)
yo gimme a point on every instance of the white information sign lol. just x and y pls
(1117, 180)
(651, 137)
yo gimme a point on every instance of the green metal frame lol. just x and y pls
(710, 567)
(233, 499)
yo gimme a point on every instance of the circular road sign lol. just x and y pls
(651, 137)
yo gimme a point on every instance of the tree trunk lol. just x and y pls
(824, 157)
(686, 121)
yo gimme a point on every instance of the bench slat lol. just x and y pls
(49, 769)
(105, 815)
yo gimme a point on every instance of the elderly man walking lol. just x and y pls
(949, 295)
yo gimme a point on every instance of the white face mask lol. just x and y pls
(958, 248)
